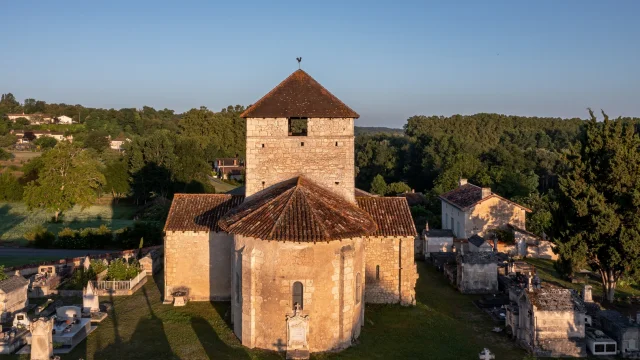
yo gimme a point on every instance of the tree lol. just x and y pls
(599, 201)
(378, 185)
(97, 140)
(3, 275)
(10, 188)
(7, 140)
(69, 176)
(117, 178)
(45, 142)
(398, 188)
(5, 155)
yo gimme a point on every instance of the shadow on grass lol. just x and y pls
(214, 347)
(8, 220)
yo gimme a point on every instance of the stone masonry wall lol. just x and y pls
(477, 278)
(493, 213)
(266, 272)
(199, 262)
(325, 155)
(12, 302)
(391, 272)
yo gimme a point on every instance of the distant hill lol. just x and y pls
(364, 130)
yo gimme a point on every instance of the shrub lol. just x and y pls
(120, 270)
(79, 279)
(98, 266)
(40, 237)
(129, 238)
(87, 238)
(3, 275)
(398, 188)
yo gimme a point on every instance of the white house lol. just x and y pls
(34, 119)
(117, 142)
(64, 119)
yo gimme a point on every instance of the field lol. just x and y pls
(20, 158)
(16, 219)
(444, 325)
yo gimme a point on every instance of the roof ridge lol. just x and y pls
(293, 191)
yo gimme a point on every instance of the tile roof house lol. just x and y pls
(229, 168)
(296, 235)
(469, 209)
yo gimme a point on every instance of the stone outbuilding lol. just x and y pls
(302, 244)
(436, 240)
(478, 244)
(477, 273)
(548, 321)
(13, 296)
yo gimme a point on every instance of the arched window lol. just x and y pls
(377, 272)
(358, 289)
(297, 294)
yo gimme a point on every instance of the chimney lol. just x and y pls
(462, 182)
(486, 192)
(586, 294)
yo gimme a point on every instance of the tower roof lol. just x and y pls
(298, 210)
(299, 95)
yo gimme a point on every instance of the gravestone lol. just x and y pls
(87, 263)
(21, 321)
(297, 331)
(587, 293)
(41, 339)
(486, 355)
(90, 301)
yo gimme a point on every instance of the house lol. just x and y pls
(436, 240)
(623, 330)
(118, 142)
(27, 137)
(469, 210)
(477, 244)
(229, 168)
(548, 321)
(298, 245)
(63, 119)
(13, 296)
(477, 272)
(34, 119)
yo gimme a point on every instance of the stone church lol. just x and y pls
(302, 240)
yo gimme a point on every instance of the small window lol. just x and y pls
(298, 126)
(262, 145)
(611, 347)
(377, 272)
(358, 289)
(302, 143)
(337, 182)
(599, 348)
(297, 295)
(336, 143)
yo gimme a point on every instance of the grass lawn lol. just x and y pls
(16, 219)
(444, 325)
(221, 186)
(9, 261)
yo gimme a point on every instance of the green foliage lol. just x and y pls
(120, 270)
(10, 188)
(397, 188)
(117, 178)
(87, 238)
(7, 140)
(45, 142)
(69, 176)
(5, 155)
(40, 237)
(599, 201)
(378, 185)
(504, 235)
(130, 237)
(220, 134)
(98, 266)
(3, 275)
(97, 140)
(79, 279)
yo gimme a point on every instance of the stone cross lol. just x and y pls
(41, 339)
(90, 300)
(296, 309)
(486, 355)
(86, 263)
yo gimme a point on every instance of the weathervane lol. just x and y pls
(299, 61)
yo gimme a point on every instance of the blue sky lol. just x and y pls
(387, 60)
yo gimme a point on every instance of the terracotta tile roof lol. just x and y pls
(12, 283)
(361, 193)
(298, 210)
(391, 214)
(199, 212)
(299, 95)
(468, 195)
